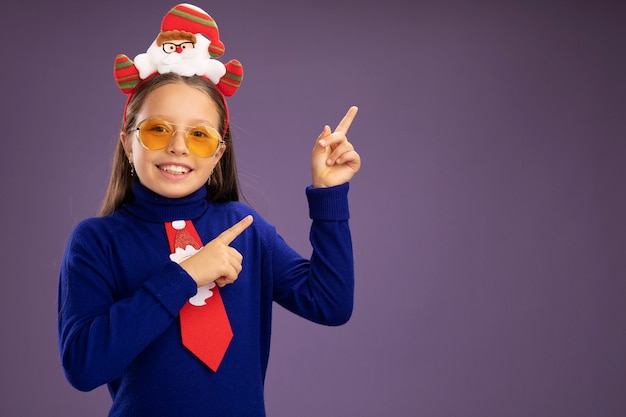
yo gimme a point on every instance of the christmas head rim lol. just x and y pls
(188, 44)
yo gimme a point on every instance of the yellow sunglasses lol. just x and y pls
(156, 134)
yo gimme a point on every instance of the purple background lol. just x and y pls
(488, 218)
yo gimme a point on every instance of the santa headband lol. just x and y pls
(188, 44)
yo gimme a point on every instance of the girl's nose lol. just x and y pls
(178, 143)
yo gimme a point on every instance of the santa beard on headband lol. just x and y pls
(188, 62)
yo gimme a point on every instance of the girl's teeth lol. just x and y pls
(174, 169)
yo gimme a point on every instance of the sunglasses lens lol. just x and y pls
(155, 134)
(203, 141)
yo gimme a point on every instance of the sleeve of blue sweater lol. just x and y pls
(320, 289)
(95, 328)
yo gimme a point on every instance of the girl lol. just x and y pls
(173, 242)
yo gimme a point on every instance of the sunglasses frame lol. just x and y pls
(220, 142)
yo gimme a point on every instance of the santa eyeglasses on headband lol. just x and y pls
(192, 58)
(171, 47)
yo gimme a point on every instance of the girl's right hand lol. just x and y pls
(217, 261)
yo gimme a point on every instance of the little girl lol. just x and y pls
(167, 295)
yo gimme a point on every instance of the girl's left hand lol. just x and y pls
(334, 160)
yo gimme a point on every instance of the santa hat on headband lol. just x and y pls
(188, 44)
(192, 19)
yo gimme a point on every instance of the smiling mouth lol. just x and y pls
(174, 169)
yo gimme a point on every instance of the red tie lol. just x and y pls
(204, 325)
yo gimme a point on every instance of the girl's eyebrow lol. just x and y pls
(196, 122)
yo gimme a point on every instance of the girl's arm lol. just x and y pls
(320, 289)
(99, 335)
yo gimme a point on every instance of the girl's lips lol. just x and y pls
(174, 171)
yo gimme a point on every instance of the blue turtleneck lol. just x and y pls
(119, 298)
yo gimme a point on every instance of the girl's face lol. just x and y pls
(174, 171)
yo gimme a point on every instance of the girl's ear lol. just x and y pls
(219, 154)
(126, 141)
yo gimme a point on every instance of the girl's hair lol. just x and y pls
(223, 184)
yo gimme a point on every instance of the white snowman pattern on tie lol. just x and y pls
(204, 292)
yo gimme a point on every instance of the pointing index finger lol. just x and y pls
(347, 120)
(230, 234)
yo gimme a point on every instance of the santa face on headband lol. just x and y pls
(188, 44)
(180, 52)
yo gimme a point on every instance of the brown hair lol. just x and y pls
(223, 185)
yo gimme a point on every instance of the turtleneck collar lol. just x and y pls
(155, 208)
